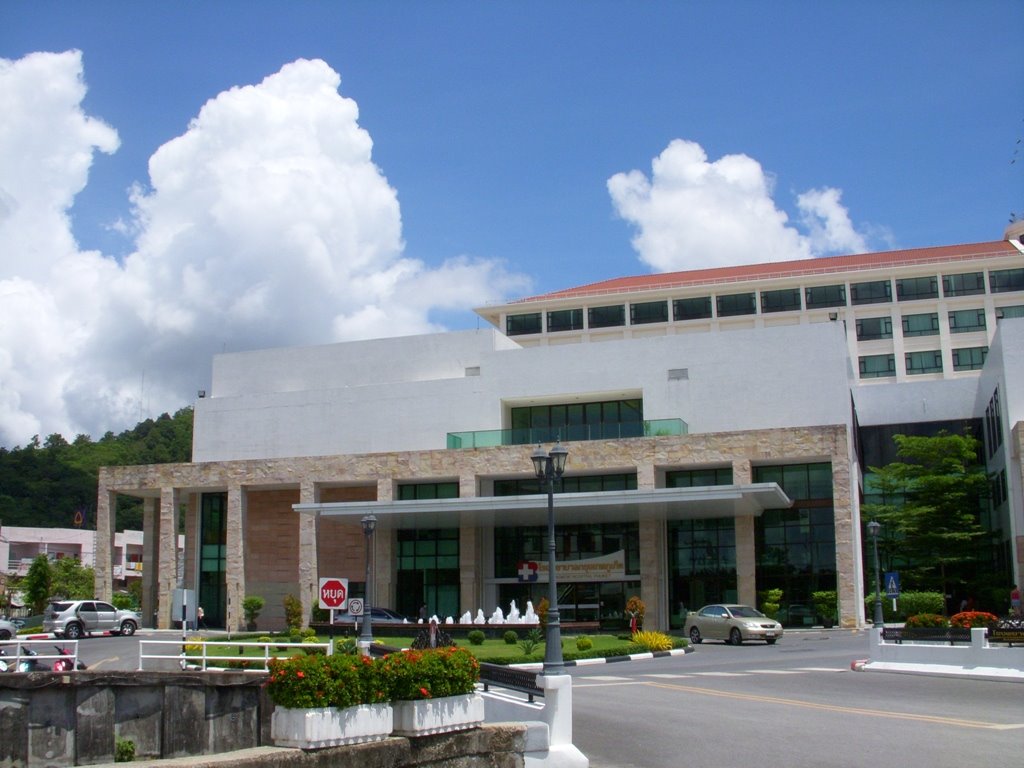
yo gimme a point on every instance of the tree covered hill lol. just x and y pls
(48, 484)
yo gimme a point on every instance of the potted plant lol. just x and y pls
(251, 607)
(433, 691)
(826, 603)
(326, 701)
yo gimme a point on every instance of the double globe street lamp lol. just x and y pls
(547, 467)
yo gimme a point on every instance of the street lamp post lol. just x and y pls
(366, 636)
(547, 467)
(873, 529)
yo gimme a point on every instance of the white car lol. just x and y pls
(74, 618)
(8, 629)
(731, 623)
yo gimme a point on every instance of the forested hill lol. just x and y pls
(47, 484)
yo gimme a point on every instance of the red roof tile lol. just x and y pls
(774, 270)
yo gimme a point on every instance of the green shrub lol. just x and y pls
(308, 632)
(826, 603)
(430, 674)
(124, 751)
(310, 641)
(771, 599)
(510, 637)
(264, 639)
(584, 643)
(476, 637)
(926, 620)
(292, 611)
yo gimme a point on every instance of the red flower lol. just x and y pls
(300, 673)
(425, 693)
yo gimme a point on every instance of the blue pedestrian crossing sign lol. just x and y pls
(892, 584)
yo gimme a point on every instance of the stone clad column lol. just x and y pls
(746, 557)
(234, 536)
(653, 574)
(103, 567)
(848, 561)
(167, 564)
(150, 561)
(309, 568)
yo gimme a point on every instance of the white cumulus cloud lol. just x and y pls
(692, 213)
(266, 223)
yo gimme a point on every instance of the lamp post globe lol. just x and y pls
(547, 467)
(369, 524)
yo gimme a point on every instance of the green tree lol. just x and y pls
(70, 579)
(36, 584)
(930, 504)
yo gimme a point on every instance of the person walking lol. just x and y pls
(1015, 601)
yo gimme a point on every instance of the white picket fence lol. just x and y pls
(194, 654)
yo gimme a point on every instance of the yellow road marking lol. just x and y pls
(888, 714)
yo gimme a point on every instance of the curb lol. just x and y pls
(537, 665)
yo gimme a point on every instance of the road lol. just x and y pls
(794, 704)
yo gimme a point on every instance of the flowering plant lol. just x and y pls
(973, 619)
(341, 680)
(427, 674)
(926, 620)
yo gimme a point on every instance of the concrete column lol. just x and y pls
(235, 548)
(645, 476)
(849, 565)
(558, 716)
(384, 566)
(167, 563)
(746, 560)
(309, 568)
(106, 519)
(150, 561)
(654, 574)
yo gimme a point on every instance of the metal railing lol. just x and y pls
(193, 654)
(511, 678)
(66, 650)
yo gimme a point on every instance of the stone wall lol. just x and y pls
(201, 719)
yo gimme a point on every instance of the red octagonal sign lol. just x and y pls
(333, 593)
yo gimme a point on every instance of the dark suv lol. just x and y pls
(74, 618)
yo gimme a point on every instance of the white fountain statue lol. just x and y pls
(530, 617)
(513, 614)
(466, 618)
(497, 617)
(480, 617)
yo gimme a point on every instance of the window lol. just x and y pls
(413, 491)
(924, 362)
(877, 366)
(872, 328)
(1004, 280)
(825, 296)
(1017, 311)
(969, 358)
(691, 309)
(606, 317)
(967, 284)
(733, 304)
(921, 325)
(877, 292)
(695, 478)
(577, 421)
(565, 320)
(567, 484)
(520, 324)
(648, 312)
(967, 320)
(913, 288)
(780, 301)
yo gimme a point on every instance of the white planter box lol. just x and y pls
(448, 713)
(330, 726)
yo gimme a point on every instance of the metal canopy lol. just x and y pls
(570, 508)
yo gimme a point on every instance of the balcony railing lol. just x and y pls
(490, 438)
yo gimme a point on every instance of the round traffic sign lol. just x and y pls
(355, 606)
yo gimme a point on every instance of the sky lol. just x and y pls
(179, 180)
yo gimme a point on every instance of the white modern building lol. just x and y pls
(718, 423)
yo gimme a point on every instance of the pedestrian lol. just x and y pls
(1015, 601)
(200, 624)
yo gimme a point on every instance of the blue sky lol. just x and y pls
(512, 152)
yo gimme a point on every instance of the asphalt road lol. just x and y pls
(793, 704)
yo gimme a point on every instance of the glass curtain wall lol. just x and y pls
(212, 592)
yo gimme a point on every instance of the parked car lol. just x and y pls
(8, 629)
(377, 616)
(732, 623)
(74, 618)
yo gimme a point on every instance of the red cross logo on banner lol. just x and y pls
(526, 570)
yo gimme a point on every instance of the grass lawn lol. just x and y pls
(496, 649)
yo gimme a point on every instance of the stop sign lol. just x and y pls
(333, 593)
